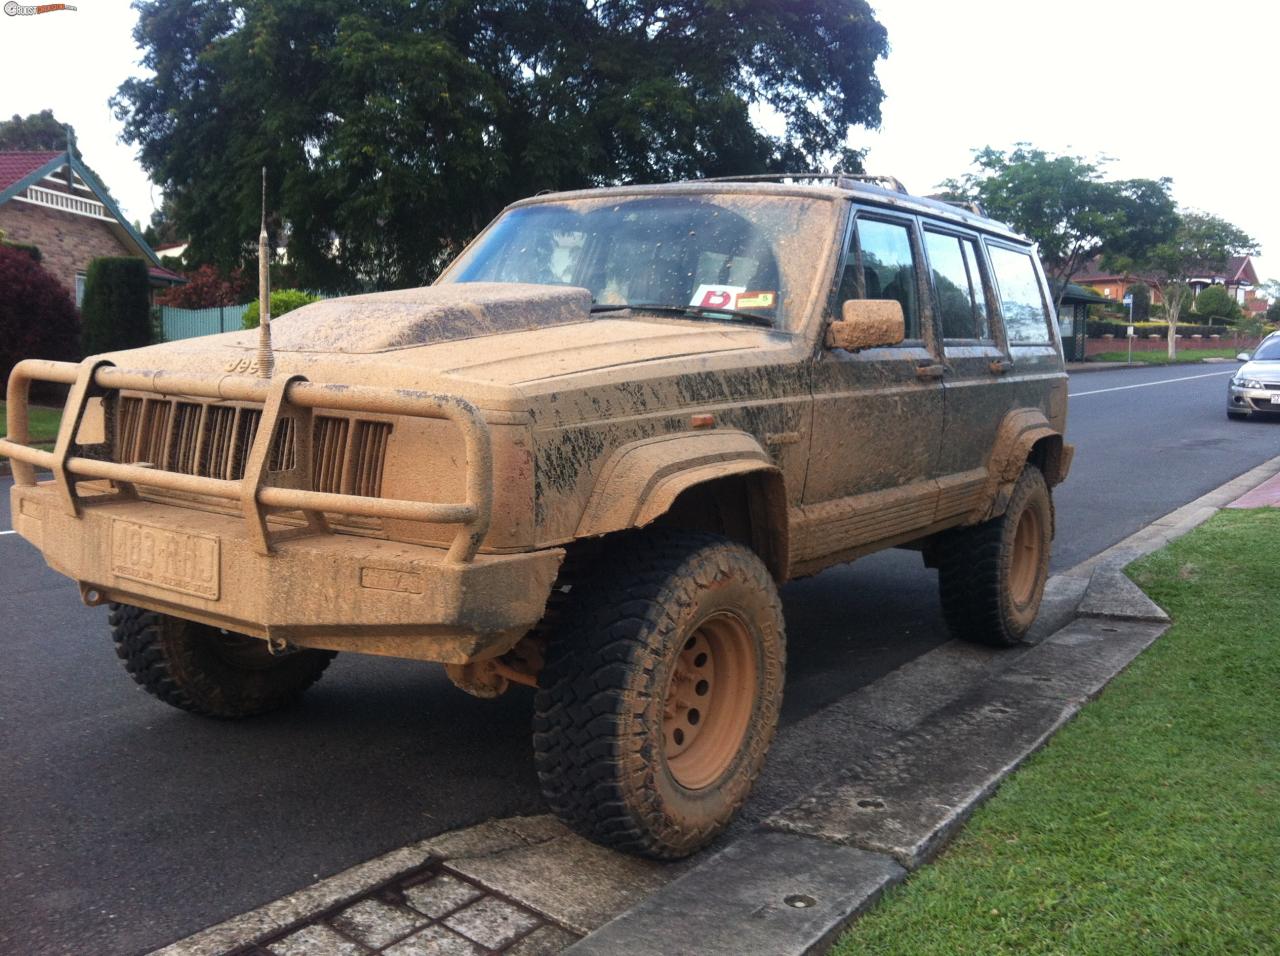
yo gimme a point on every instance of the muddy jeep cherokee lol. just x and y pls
(584, 460)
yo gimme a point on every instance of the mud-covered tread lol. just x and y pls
(594, 765)
(971, 581)
(171, 660)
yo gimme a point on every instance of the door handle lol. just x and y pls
(1000, 366)
(930, 371)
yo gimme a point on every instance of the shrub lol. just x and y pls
(116, 313)
(37, 314)
(282, 301)
(1096, 329)
(209, 286)
(25, 247)
(1216, 304)
(1141, 293)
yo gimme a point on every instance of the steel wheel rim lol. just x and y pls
(709, 701)
(1027, 547)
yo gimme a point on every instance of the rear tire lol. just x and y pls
(992, 576)
(660, 693)
(206, 670)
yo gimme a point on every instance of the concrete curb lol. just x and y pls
(903, 802)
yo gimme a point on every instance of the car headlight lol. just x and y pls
(1246, 383)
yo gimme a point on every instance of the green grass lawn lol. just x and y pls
(42, 423)
(1151, 823)
(1162, 357)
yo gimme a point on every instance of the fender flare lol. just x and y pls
(642, 480)
(1019, 433)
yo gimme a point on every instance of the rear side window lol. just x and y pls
(1026, 320)
(889, 269)
(958, 286)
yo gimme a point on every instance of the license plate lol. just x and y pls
(1275, 398)
(177, 560)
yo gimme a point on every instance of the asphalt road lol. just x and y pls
(125, 825)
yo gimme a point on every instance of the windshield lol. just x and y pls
(1268, 351)
(746, 253)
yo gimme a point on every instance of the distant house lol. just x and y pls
(51, 201)
(1239, 277)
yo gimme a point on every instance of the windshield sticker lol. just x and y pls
(756, 300)
(716, 296)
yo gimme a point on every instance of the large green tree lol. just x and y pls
(393, 130)
(1067, 206)
(1200, 245)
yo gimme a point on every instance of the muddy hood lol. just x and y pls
(405, 318)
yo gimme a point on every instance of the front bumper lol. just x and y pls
(334, 591)
(1241, 400)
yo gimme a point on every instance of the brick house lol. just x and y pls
(51, 201)
(1239, 278)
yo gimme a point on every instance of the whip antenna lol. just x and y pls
(265, 359)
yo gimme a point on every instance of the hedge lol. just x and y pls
(116, 313)
(26, 247)
(1096, 329)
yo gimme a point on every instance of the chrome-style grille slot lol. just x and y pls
(219, 430)
(242, 444)
(368, 453)
(184, 438)
(328, 451)
(214, 441)
(284, 449)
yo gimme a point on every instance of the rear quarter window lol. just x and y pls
(1026, 319)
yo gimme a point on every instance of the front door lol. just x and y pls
(877, 420)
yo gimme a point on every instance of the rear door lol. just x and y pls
(978, 389)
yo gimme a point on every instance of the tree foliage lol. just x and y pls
(116, 312)
(1065, 205)
(393, 130)
(1141, 294)
(210, 286)
(1201, 244)
(37, 314)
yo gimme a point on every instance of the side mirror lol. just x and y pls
(1243, 357)
(867, 324)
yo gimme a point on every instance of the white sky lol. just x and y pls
(1168, 88)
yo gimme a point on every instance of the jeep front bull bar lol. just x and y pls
(280, 398)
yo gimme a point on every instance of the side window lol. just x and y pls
(1025, 318)
(888, 267)
(958, 285)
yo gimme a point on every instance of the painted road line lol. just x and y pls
(8, 532)
(1163, 381)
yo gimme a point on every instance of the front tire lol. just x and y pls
(661, 692)
(206, 670)
(991, 576)
(1237, 416)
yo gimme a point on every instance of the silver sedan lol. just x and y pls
(1255, 389)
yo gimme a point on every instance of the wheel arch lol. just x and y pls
(1026, 436)
(721, 481)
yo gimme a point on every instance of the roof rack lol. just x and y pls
(842, 179)
(969, 205)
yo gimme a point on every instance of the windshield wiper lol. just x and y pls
(691, 311)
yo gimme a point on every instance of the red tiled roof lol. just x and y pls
(168, 275)
(15, 166)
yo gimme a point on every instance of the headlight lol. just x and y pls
(1246, 383)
